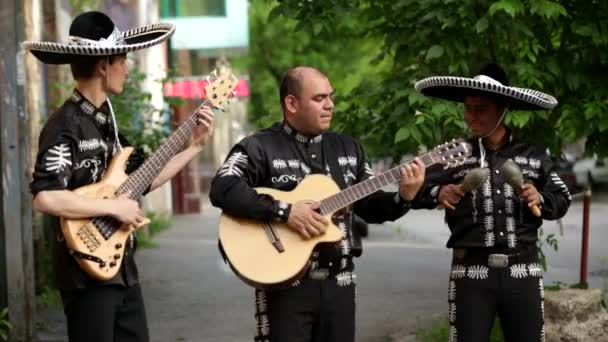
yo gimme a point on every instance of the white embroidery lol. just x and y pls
(344, 279)
(279, 164)
(452, 313)
(92, 164)
(369, 170)
(508, 190)
(296, 283)
(541, 288)
(349, 175)
(477, 272)
(91, 144)
(317, 139)
(87, 107)
(519, 271)
(264, 324)
(285, 179)
(453, 334)
(233, 164)
(458, 271)
(488, 222)
(101, 118)
(535, 163)
(535, 270)
(352, 160)
(343, 263)
(260, 301)
(58, 158)
(512, 240)
(349, 160)
(509, 206)
(489, 239)
(287, 129)
(293, 163)
(487, 189)
(345, 247)
(510, 224)
(521, 160)
(452, 291)
(530, 174)
(301, 138)
(488, 205)
(542, 330)
(435, 191)
(305, 168)
(558, 181)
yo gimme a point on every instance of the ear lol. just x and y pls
(102, 66)
(291, 103)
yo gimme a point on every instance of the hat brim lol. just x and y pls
(135, 39)
(457, 88)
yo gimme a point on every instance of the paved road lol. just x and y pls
(192, 296)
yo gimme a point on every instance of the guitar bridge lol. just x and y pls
(88, 237)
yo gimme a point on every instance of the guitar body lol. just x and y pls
(252, 255)
(98, 257)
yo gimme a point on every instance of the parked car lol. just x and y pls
(591, 171)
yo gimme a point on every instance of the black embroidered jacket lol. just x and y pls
(75, 147)
(494, 215)
(280, 157)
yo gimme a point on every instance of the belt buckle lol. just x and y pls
(319, 274)
(498, 260)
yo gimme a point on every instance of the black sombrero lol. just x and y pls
(490, 81)
(94, 34)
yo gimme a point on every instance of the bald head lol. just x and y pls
(291, 83)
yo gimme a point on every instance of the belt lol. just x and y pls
(495, 258)
(319, 274)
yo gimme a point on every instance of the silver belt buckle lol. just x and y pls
(319, 274)
(498, 260)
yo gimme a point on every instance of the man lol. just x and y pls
(75, 148)
(495, 269)
(321, 305)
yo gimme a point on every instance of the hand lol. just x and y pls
(204, 119)
(126, 210)
(412, 178)
(529, 194)
(304, 219)
(450, 195)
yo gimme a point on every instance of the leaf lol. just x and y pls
(481, 25)
(402, 134)
(511, 7)
(435, 51)
(317, 27)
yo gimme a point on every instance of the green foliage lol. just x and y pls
(158, 223)
(439, 331)
(5, 325)
(48, 298)
(551, 241)
(383, 46)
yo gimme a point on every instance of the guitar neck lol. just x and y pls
(360, 190)
(140, 179)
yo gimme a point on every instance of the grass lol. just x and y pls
(158, 223)
(439, 331)
(48, 298)
(5, 325)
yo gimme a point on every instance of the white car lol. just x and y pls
(591, 171)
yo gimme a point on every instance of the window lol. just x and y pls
(192, 8)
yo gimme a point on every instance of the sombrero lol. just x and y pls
(490, 81)
(94, 34)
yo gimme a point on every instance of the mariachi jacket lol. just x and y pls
(279, 157)
(494, 215)
(75, 148)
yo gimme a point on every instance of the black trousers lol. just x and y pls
(312, 311)
(479, 293)
(110, 313)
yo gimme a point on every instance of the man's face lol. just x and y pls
(481, 114)
(315, 105)
(118, 73)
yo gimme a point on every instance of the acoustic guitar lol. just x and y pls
(98, 244)
(270, 254)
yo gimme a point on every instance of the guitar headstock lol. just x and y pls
(452, 153)
(220, 88)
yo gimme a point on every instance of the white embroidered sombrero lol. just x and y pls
(94, 34)
(491, 81)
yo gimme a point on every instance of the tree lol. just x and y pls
(557, 47)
